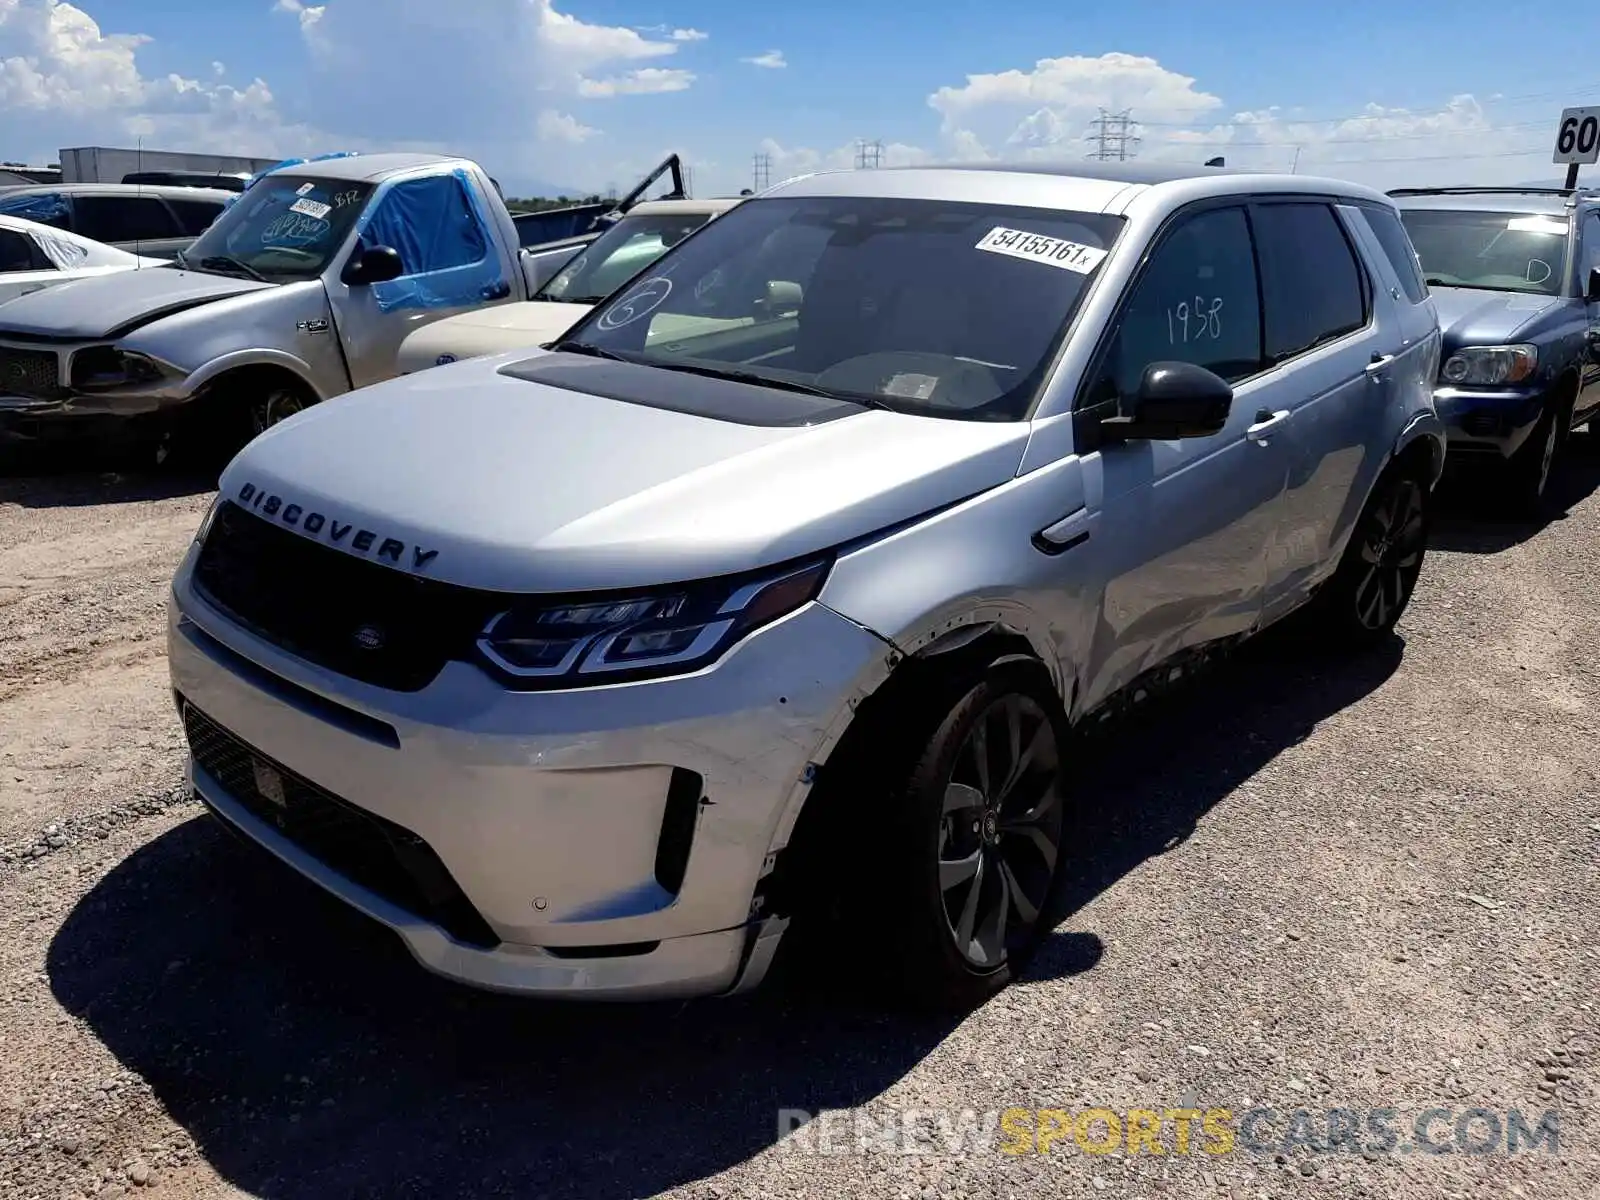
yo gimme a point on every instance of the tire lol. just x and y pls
(206, 433)
(1377, 575)
(1529, 470)
(974, 842)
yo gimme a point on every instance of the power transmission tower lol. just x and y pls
(1113, 135)
(762, 176)
(868, 154)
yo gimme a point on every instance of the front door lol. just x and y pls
(452, 263)
(1186, 524)
(1589, 261)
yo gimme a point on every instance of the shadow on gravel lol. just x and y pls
(1147, 780)
(76, 488)
(308, 1056)
(1471, 519)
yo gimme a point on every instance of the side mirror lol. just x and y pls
(376, 264)
(1175, 400)
(1592, 292)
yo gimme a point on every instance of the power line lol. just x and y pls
(1113, 136)
(1362, 141)
(1561, 93)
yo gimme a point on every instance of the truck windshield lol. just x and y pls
(619, 254)
(924, 306)
(286, 227)
(1497, 251)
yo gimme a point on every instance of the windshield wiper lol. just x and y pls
(573, 347)
(221, 262)
(772, 381)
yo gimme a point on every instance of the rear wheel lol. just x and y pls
(1378, 573)
(976, 841)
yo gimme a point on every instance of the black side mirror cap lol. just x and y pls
(1175, 400)
(375, 264)
(1592, 293)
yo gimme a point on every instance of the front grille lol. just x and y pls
(370, 851)
(369, 622)
(29, 373)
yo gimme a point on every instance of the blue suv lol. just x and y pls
(1515, 276)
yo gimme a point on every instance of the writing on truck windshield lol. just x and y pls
(286, 227)
(926, 306)
(1498, 251)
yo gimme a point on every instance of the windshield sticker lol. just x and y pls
(1546, 225)
(311, 208)
(305, 189)
(640, 302)
(911, 386)
(344, 199)
(1036, 247)
(293, 229)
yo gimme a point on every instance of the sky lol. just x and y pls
(588, 94)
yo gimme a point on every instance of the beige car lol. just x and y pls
(599, 269)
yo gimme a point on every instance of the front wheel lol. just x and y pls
(1528, 471)
(976, 841)
(1378, 573)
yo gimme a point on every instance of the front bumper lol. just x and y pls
(549, 811)
(1487, 422)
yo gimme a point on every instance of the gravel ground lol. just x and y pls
(1313, 885)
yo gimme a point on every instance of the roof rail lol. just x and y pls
(1489, 191)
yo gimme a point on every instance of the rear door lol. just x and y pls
(1331, 342)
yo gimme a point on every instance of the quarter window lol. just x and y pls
(1397, 249)
(1310, 279)
(1197, 301)
(195, 216)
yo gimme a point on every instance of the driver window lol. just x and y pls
(1197, 301)
(431, 223)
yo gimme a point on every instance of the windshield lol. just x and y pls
(924, 306)
(286, 227)
(619, 254)
(1499, 251)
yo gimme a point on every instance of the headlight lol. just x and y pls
(1490, 366)
(101, 368)
(591, 640)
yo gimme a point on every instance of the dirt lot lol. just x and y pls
(1315, 885)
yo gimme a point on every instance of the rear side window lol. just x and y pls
(1310, 278)
(195, 215)
(1397, 249)
(17, 252)
(124, 218)
(1196, 302)
(1591, 244)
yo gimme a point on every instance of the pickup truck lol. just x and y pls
(301, 290)
(606, 264)
(1515, 276)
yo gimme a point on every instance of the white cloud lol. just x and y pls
(773, 60)
(644, 81)
(688, 35)
(554, 126)
(309, 14)
(219, 69)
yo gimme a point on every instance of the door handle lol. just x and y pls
(1266, 422)
(1375, 368)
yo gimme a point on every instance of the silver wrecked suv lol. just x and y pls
(784, 577)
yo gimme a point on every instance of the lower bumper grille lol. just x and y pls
(372, 852)
(1482, 424)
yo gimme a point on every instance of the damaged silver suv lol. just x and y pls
(786, 574)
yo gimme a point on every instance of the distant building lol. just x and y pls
(106, 164)
(22, 175)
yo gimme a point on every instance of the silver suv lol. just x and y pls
(773, 592)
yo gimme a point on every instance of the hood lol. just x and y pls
(527, 487)
(1473, 316)
(521, 325)
(111, 305)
